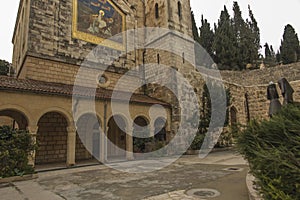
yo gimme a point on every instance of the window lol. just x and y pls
(158, 59)
(156, 11)
(179, 10)
(183, 58)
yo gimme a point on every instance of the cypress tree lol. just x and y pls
(194, 28)
(241, 32)
(254, 38)
(289, 49)
(224, 45)
(206, 36)
(267, 51)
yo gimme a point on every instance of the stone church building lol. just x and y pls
(53, 41)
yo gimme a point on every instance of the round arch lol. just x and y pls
(160, 125)
(123, 117)
(233, 112)
(88, 136)
(116, 135)
(52, 138)
(59, 110)
(16, 108)
(141, 134)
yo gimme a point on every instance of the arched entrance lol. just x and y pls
(52, 139)
(88, 137)
(160, 133)
(116, 134)
(141, 135)
(13, 118)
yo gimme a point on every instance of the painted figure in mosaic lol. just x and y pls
(98, 17)
(273, 96)
(286, 91)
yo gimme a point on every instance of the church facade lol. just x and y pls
(52, 41)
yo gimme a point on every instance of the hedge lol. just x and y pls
(272, 148)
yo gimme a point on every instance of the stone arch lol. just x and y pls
(15, 113)
(160, 132)
(59, 110)
(52, 138)
(116, 135)
(141, 134)
(233, 116)
(88, 137)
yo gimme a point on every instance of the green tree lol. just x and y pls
(194, 28)
(289, 49)
(224, 45)
(4, 67)
(196, 39)
(15, 146)
(241, 33)
(270, 57)
(267, 51)
(253, 39)
(206, 36)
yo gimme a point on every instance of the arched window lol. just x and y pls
(156, 11)
(179, 10)
(233, 116)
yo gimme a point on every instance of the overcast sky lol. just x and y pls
(272, 16)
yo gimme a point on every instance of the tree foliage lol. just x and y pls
(4, 67)
(234, 42)
(224, 45)
(289, 49)
(206, 37)
(272, 148)
(15, 147)
(270, 56)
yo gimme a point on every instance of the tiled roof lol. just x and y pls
(41, 87)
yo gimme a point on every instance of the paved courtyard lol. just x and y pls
(221, 175)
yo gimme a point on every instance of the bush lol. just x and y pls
(197, 142)
(15, 146)
(272, 148)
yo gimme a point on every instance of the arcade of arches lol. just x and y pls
(49, 119)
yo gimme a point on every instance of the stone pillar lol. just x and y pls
(129, 144)
(103, 153)
(152, 131)
(33, 129)
(71, 145)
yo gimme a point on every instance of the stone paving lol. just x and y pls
(224, 172)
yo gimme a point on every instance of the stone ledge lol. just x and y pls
(253, 194)
(18, 178)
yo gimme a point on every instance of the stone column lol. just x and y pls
(71, 145)
(103, 153)
(152, 131)
(129, 144)
(33, 129)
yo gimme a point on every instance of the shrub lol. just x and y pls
(197, 142)
(15, 146)
(272, 148)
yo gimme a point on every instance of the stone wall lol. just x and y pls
(61, 72)
(255, 83)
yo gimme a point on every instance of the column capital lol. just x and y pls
(33, 129)
(71, 129)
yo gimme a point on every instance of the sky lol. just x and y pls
(271, 15)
